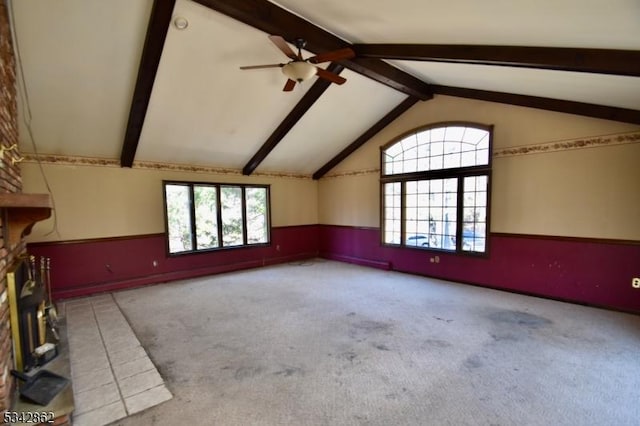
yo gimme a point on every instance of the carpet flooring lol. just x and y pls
(328, 343)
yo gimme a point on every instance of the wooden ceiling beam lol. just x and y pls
(153, 44)
(272, 19)
(569, 107)
(371, 132)
(600, 61)
(307, 101)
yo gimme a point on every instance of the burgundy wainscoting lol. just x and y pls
(586, 271)
(80, 268)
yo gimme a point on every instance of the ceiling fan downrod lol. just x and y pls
(300, 44)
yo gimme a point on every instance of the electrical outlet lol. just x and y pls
(155, 263)
(635, 282)
(278, 247)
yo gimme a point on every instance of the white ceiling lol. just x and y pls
(611, 24)
(81, 57)
(80, 60)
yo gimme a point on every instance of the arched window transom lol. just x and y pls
(447, 147)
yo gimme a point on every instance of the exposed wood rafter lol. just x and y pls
(272, 19)
(309, 98)
(569, 107)
(151, 53)
(601, 61)
(371, 132)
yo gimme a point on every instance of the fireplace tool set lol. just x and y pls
(33, 314)
(34, 328)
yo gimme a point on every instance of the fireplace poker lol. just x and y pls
(52, 312)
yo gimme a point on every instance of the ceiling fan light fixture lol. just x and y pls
(299, 71)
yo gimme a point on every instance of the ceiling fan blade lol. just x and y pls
(283, 46)
(289, 85)
(256, 67)
(335, 55)
(328, 75)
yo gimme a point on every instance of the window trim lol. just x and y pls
(217, 185)
(459, 172)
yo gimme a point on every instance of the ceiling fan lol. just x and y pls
(300, 69)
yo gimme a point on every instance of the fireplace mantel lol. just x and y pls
(23, 211)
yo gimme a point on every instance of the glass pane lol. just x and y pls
(484, 142)
(393, 150)
(257, 215)
(411, 213)
(481, 198)
(423, 148)
(437, 199)
(391, 237)
(450, 214)
(481, 214)
(178, 207)
(451, 185)
(469, 197)
(474, 230)
(437, 135)
(397, 167)
(451, 161)
(423, 225)
(436, 163)
(437, 148)
(475, 136)
(411, 200)
(436, 185)
(483, 157)
(469, 214)
(409, 142)
(205, 201)
(451, 147)
(232, 227)
(410, 166)
(468, 159)
(470, 184)
(392, 213)
(423, 164)
(411, 154)
(467, 147)
(388, 168)
(455, 133)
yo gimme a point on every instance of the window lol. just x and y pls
(435, 185)
(208, 216)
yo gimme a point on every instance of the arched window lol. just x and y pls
(435, 184)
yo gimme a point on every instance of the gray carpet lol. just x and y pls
(327, 343)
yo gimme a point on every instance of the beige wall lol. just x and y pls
(105, 201)
(592, 192)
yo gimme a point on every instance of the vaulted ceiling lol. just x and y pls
(119, 79)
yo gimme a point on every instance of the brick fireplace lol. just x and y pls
(10, 182)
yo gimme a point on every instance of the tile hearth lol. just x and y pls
(112, 375)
